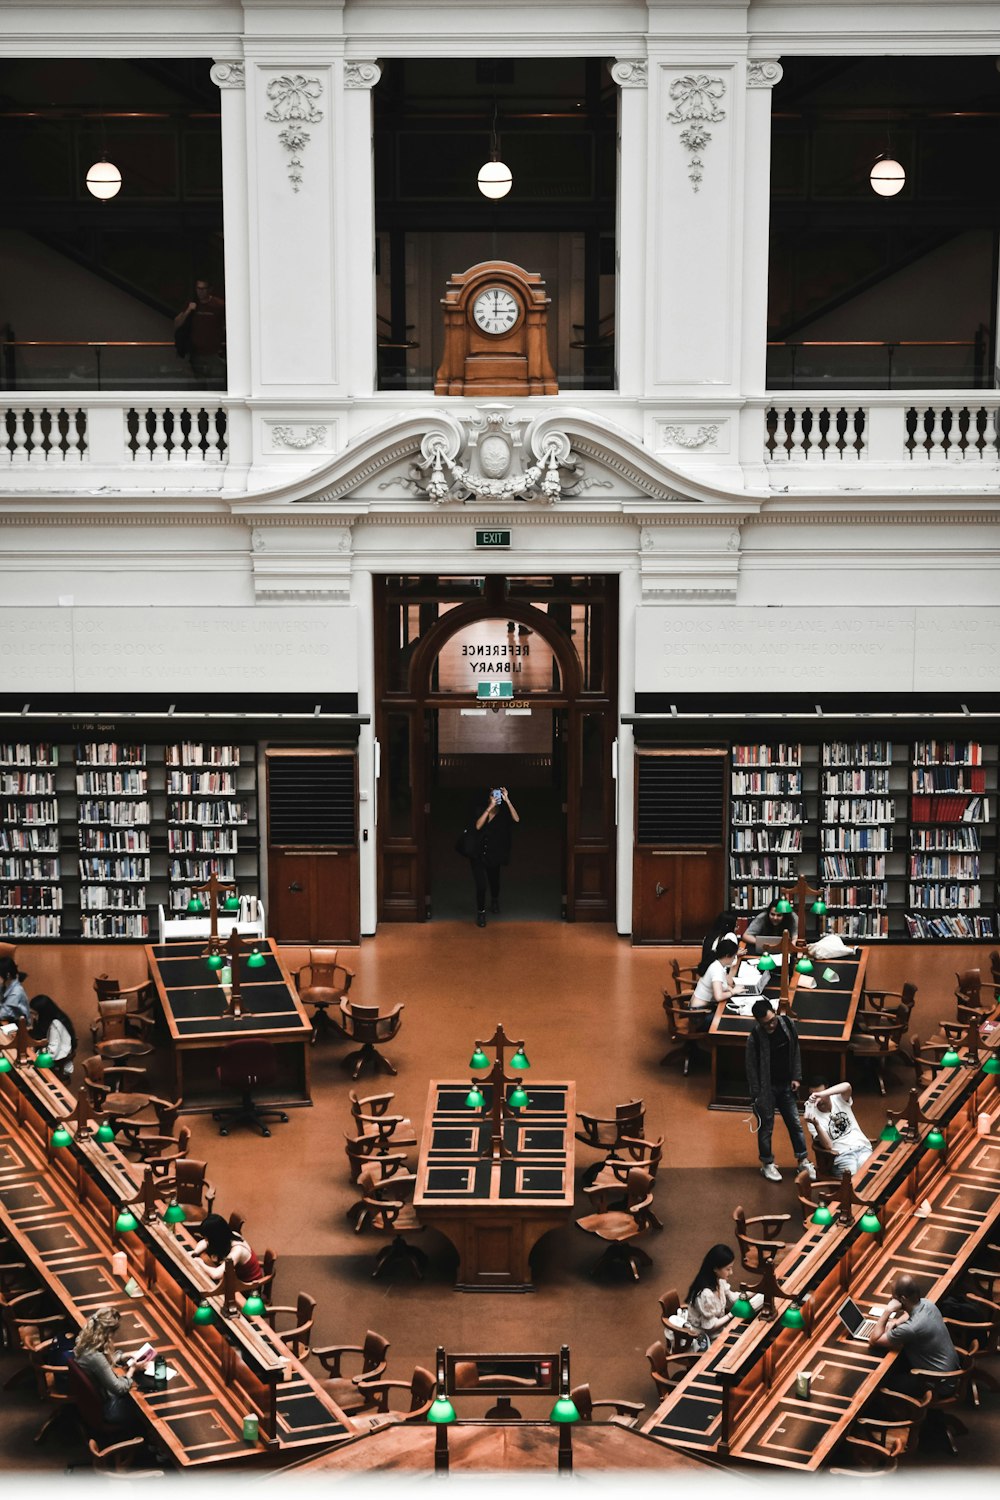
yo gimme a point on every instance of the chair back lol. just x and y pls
(190, 1185)
(112, 1018)
(86, 1398)
(373, 1351)
(422, 1387)
(968, 983)
(325, 973)
(106, 988)
(245, 1065)
(583, 1401)
(236, 1221)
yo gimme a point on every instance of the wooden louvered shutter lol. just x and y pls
(678, 875)
(312, 846)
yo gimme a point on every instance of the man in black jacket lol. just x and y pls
(774, 1073)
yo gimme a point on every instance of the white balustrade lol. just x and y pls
(42, 433)
(176, 434)
(903, 429)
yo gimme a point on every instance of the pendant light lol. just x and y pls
(495, 179)
(104, 180)
(887, 177)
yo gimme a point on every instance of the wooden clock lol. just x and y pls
(495, 336)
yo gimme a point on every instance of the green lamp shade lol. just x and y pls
(106, 1133)
(766, 963)
(890, 1133)
(196, 906)
(792, 1318)
(256, 960)
(935, 1140)
(741, 1308)
(823, 1216)
(474, 1098)
(4, 1064)
(43, 1059)
(519, 1062)
(215, 961)
(992, 1064)
(565, 1410)
(126, 1222)
(818, 908)
(950, 1059)
(254, 1305)
(61, 1136)
(231, 903)
(804, 966)
(869, 1222)
(518, 1097)
(479, 1059)
(783, 907)
(441, 1411)
(174, 1214)
(203, 1315)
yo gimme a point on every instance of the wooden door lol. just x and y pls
(679, 873)
(312, 852)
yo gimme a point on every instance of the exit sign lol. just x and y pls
(492, 538)
(494, 690)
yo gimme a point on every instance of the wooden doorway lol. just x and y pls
(574, 623)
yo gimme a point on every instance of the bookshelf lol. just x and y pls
(857, 822)
(766, 819)
(113, 812)
(949, 816)
(31, 897)
(210, 818)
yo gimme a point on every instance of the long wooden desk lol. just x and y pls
(495, 1212)
(193, 1003)
(824, 1018)
(738, 1400)
(60, 1206)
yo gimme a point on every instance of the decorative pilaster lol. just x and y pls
(631, 74)
(762, 74)
(229, 76)
(356, 203)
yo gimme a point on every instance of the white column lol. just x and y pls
(361, 597)
(230, 78)
(629, 597)
(355, 198)
(761, 76)
(630, 74)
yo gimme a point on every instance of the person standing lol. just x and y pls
(494, 826)
(774, 1076)
(200, 328)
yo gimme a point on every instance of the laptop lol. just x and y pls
(854, 1320)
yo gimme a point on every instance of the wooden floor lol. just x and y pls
(588, 1007)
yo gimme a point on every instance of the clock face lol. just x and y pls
(495, 310)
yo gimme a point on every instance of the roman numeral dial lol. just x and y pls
(495, 310)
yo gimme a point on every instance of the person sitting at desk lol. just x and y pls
(911, 1323)
(54, 1029)
(714, 986)
(831, 1122)
(96, 1354)
(710, 1296)
(724, 926)
(766, 928)
(13, 998)
(219, 1243)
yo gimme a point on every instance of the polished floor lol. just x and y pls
(589, 1007)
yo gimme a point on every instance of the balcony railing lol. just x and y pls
(97, 364)
(879, 364)
(42, 438)
(909, 432)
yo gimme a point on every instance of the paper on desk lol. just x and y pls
(741, 1005)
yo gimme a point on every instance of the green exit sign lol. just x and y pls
(492, 538)
(494, 690)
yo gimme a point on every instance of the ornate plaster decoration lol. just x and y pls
(361, 75)
(289, 437)
(630, 72)
(229, 75)
(683, 437)
(763, 74)
(498, 464)
(293, 104)
(696, 106)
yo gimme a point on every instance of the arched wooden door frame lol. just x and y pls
(589, 866)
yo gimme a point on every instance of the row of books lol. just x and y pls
(945, 897)
(945, 840)
(765, 783)
(191, 753)
(29, 755)
(37, 897)
(104, 926)
(30, 812)
(112, 783)
(861, 840)
(115, 814)
(856, 781)
(113, 898)
(202, 783)
(949, 808)
(947, 752)
(945, 866)
(42, 840)
(842, 867)
(191, 840)
(110, 753)
(950, 927)
(875, 894)
(14, 868)
(872, 753)
(29, 925)
(861, 814)
(115, 840)
(788, 814)
(948, 779)
(754, 867)
(862, 924)
(27, 783)
(770, 841)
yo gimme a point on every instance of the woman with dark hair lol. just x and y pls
(724, 926)
(710, 1297)
(13, 999)
(219, 1243)
(54, 1029)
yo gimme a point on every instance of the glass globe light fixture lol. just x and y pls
(992, 1064)
(804, 965)
(495, 179)
(818, 907)
(474, 1098)
(935, 1140)
(105, 1133)
(104, 180)
(126, 1222)
(887, 177)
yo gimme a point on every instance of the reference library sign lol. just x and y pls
(497, 659)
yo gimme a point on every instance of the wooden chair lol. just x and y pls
(344, 1389)
(364, 1024)
(118, 1033)
(51, 1381)
(983, 1333)
(322, 984)
(371, 1118)
(626, 1412)
(947, 1389)
(244, 1067)
(621, 1227)
(263, 1284)
(894, 1002)
(141, 998)
(678, 1338)
(689, 980)
(421, 1388)
(757, 1238)
(605, 1134)
(27, 1324)
(926, 1058)
(187, 1183)
(995, 972)
(861, 1458)
(612, 1179)
(380, 1170)
(683, 1030)
(667, 1368)
(361, 1155)
(104, 1082)
(899, 1430)
(388, 1209)
(303, 1315)
(149, 1131)
(120, 1460)
(968, 987)
(812, 1192)
(876, 1040)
